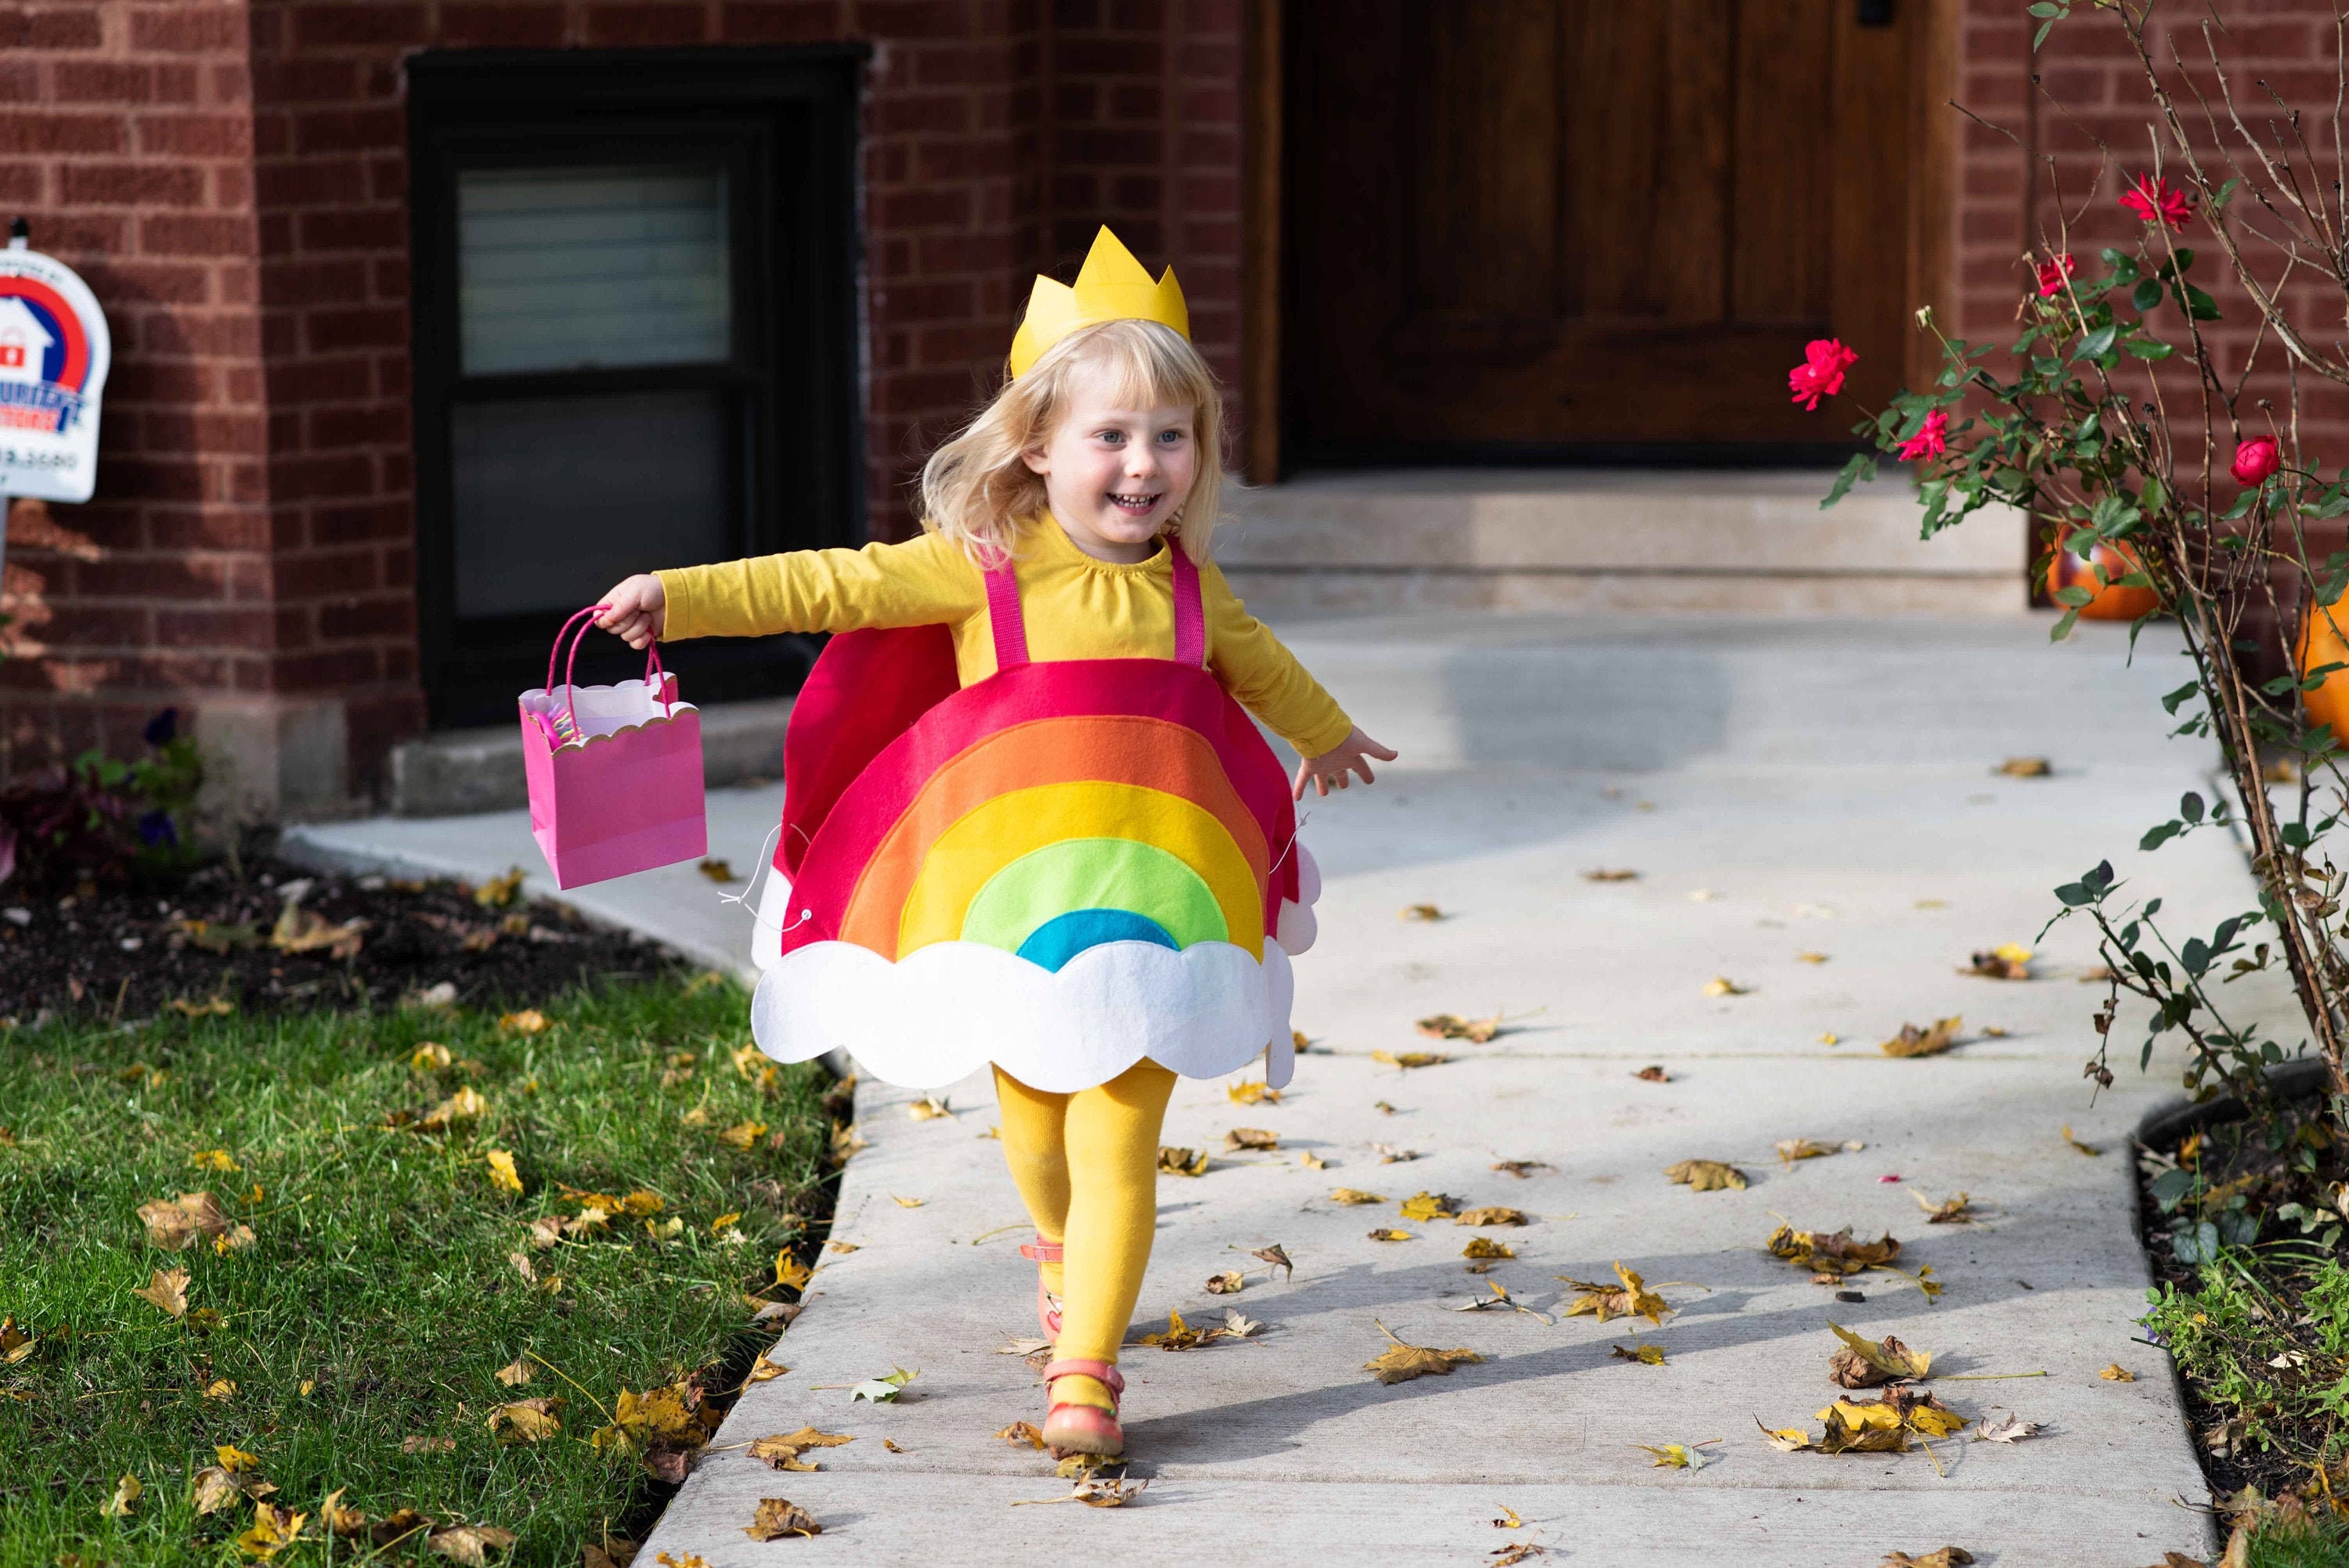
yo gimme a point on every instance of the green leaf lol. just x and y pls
(2189, 806)
(2062, 627)
(2218, 197)
(2096, 344)
(2040, 37)
(2170, 703)
(2074, 596)
(1861, 465)
(2147, 294)
(2044, 8)
(2200, 306)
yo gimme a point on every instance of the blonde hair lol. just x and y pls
(978, 490)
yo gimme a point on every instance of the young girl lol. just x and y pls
(1081, 866)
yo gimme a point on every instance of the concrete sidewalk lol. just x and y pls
(1782, 791)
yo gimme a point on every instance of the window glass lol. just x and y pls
(559, 498)
(574, 269)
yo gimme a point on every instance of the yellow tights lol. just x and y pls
(1086, 1165)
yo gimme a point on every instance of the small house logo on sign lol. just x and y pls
(54, 350)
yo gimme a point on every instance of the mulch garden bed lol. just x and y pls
(265, 935)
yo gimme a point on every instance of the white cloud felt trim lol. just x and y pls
(949, 1008)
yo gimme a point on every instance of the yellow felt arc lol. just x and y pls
(990, 837)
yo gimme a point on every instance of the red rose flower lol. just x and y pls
(2256, 458)
(2153, 201)
(1820, 374)
(2053, 273)
(1930, 440)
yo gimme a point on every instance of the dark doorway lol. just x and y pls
(1561, 229)
(634, 336)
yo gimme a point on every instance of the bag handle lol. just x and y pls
(571, 686)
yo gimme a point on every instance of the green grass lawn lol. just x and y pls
(353, 1343)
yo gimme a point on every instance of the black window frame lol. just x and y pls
(782, 123)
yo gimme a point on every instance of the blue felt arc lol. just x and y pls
(1063, 937)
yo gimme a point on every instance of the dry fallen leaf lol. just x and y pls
(2116, 1373)
(1522, 1169)
(1277, 1256)
(715, 870)
(1421, 912)
(1863, 1365)
(1606, 1300)
(2007, 1428)
(528, 1021)
(1020, 1432)
(167, 1292)
(1793, 1148)
(1230, 1282)
(1237, 1325)
(1509, 1519)
(1240, 1138)
(273, 1529)
(1654, 1074)
(515, 1373)
(1646, 1355)
(1409, 1059)
(1785, 1440)
(1252, 1091)
(1486, 1247)
(1389, 1233)
(1175, 1161)
(904, 1202)
(1400, 1363)
(214, 1488)
(2024, 768)
(1956, 1209)
(1811, 957)
(127, 1492)
(176, 1224)
(463, 1106)
(2007, 961)
(782, 1450)
(1490, 1215)
(1895, 1409)
(1723, 985)
(1832, 1256)
(929, 1108)
(2083, 1148)
(470, 1545)
(1394, 1154)
(763, 1370)
(1177, 1335)
(503, 1174)
(1946, 1557)
(1675, 1456)
(1707, 1175)
(1606, 874)
(1312, 1161)
(15, 1345)
(1509, 1556)
(743, 1134)
(1912, 1041)
(1426, 1205)
(421, 1444)
(213, 1159)
(1453, 1027)
(891, 1445)
(526, 1420)
(1354, 1195)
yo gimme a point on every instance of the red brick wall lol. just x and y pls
(125, 135)
(257, 497)
(2095, 90)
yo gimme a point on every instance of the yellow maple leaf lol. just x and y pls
(1486, 1247)
(213, 1160)
(127, 1492)
(1390, 1235)
(1426, 1205)
(929, 1108)
(1645, 1355)
(525, 1420)
(274, 1530)
(743, 1134)
(1175, 1161)
(1633, 1299)
(1407, 1059)
(2116, 1373)
(1401, 1362)
(167, 1292)
(1352, 1195)
(1707, 1176)
(503, 1174)
(1912, 1041)
(790, 1272)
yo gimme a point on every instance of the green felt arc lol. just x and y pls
(1093, 873)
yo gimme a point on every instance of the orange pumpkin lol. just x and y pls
(2319, 644)
(2112, 603)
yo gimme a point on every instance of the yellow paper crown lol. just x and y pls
(1111, 286)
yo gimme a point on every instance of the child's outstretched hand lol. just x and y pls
(1351, 755)
(638, 610)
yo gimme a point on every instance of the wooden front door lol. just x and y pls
(1579, 228)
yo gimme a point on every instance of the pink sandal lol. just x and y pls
(1047, 1305)
(1082, 1429)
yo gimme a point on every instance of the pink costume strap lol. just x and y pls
(1010, 631)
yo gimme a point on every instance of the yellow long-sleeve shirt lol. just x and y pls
(1075, 607)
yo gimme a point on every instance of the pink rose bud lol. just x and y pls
(2256, 458)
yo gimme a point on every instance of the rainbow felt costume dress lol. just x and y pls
(1063, 868)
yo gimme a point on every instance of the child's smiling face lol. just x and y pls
(1115, 475)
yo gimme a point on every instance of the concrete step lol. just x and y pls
(457, 772)
(1740, 541)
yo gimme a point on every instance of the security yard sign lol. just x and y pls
(54, 351)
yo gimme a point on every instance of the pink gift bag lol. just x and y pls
(615, 770)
